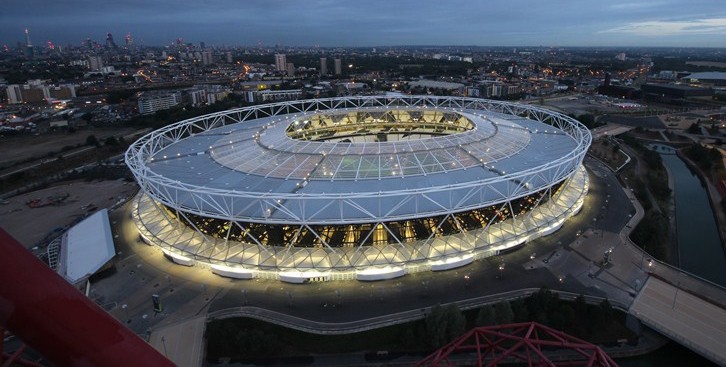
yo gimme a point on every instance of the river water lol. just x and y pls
(699, 244)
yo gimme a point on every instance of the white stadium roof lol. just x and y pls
(258, 158)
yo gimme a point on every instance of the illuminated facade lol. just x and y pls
(358, 187)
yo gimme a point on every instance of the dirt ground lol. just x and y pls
(605, 153)
(31, 225)
(677, 121)
(13, 149)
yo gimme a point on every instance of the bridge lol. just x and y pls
(686, 309)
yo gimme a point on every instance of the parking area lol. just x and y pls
(34, 216)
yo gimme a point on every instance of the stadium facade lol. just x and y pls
(357, 187)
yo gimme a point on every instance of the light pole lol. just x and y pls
(163, 342)
(125, 307)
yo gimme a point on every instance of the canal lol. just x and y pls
(699, 244)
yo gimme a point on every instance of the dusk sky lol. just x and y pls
(698, 23)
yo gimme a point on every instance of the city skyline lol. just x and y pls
(368, 24)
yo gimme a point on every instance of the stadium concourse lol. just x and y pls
(361, 188)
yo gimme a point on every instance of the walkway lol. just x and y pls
(183, 342)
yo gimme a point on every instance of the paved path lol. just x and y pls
(183, 342)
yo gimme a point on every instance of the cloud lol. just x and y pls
(636, 5)
(673, 27)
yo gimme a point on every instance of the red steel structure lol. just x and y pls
(528, 343)
(58, 321)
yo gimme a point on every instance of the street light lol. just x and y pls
(606, 256)
(163, 342)
(125, 307)
(501, 271)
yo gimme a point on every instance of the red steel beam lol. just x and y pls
(58, 321)
(528, 340)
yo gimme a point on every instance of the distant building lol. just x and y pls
(273, 95)
(472, 92)
(29, 52)
(37, 91)
(715, 78)
(109, 41)
(338, 66)
(14, 94)
(200, 95)
(290, 69)
(323, 66)
(280, 62)
(620, 56)
(151, 102)
(494, 90)
(660, 91)
(95, 63)
(425, 83)
(207, 58)
(229, 57)
(619, 91)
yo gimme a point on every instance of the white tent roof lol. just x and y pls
(86, 247)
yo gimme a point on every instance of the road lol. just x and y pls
(47, 161)
(42, 161)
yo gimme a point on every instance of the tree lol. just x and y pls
(503, 313)
(456, 323)
(486, 316)
(562, 316)
(588, 120)
(602, 317)
(581, 319)
(111, 141)
(520, 311)
(606, 309)
(91, 140)
(580, 306)
(87, 117)
(444, 324)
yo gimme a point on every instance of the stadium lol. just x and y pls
(364, 187)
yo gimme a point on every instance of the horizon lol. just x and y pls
(326, 23)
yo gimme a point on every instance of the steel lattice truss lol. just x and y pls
(529, 343)
(168, 210)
